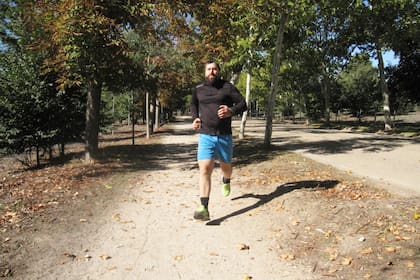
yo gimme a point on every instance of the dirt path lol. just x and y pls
(288, 217)
(146, 230)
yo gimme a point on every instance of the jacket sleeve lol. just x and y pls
(194, 105)
(239, 103)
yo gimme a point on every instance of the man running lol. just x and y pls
(213, 104)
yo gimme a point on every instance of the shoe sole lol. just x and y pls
(199, 216)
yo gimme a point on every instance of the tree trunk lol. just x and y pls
(62, 149)
(133, 132)
(247, 96)
(92, 119)
(129, 110)
(152, 114)
(38, 161)
(384, 89)
(148, 122)
(274, 79)
(325, 89)
(133, 119)
(157, 114)
(234, 78)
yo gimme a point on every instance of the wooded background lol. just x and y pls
(72, 68)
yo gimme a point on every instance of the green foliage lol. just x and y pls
(259, 84)
(52, 49)
(403, 81)
(359, 83)
(34, 113)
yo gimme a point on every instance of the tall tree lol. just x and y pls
(86, 48)
(34, 113)
(373, 28)
(325, 26)
(359, 82)
(406, 44)
(288, 13)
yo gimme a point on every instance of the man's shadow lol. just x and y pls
(280, 190)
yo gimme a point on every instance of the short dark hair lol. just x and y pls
(211, 62)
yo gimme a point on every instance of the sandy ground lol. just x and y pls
(287, 218)
(147, 232)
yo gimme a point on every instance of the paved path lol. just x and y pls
(387, 161)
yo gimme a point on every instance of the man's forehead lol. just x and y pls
(211, 65)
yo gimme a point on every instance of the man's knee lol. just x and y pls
(206, 166)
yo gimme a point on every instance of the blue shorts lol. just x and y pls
(215, 147)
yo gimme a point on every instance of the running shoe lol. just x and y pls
(226, 189)
(202, 214)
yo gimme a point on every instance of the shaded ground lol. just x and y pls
(128, 216)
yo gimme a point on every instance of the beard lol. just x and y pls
(212, 79)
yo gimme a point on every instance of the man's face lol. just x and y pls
(212, 72)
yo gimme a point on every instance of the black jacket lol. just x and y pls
(205, 103)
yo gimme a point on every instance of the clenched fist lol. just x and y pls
(196, 123)
(224, 112)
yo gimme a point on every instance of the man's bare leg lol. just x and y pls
(204, 182)
(206, 169)
(226, 169)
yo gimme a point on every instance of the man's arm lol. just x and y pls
(194, 111)
(239, 103)
(194, 106)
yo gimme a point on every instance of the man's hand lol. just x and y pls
(196, 124)
(224, 112)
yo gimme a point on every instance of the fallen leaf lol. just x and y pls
(332, 254)
(289, 257)
(332, 270)
(179, 258)
(247, 277)
(87, 257)
(410, 264)
(390, 249)
(116, 217)
(69, 255)
(416, 216)
(405, 238)
(367, 276)
(347, 261)
(367, 251)
(105, 257)
(108, 187)
(243, 247)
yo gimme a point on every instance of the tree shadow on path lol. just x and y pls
(279, 191)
